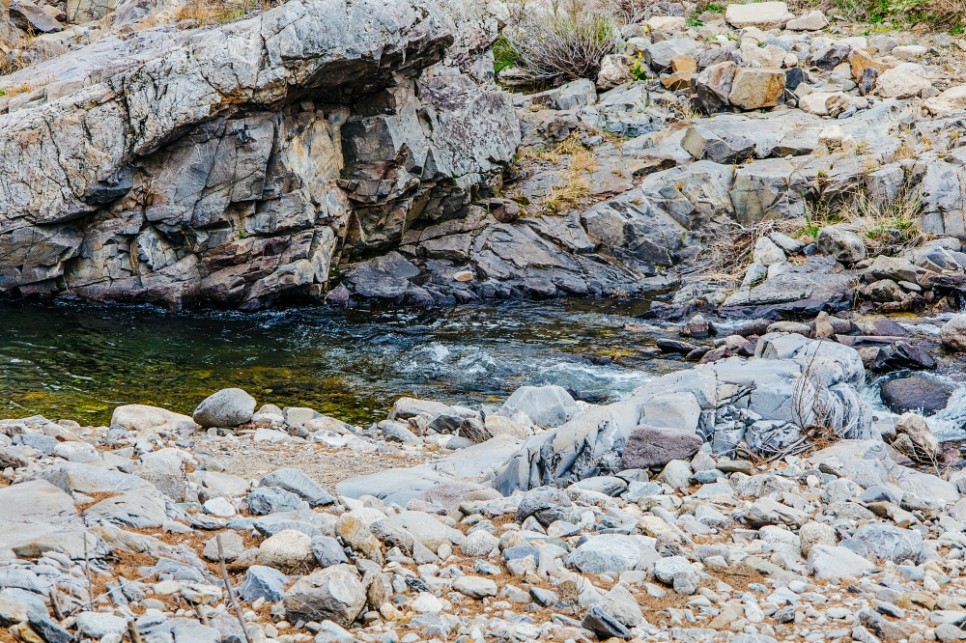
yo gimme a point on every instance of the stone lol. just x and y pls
(219, 507)
(824, 103)
(328, 551)
(841, 244)
(267, 500)
(335, 593)
(816, 533)
(615, 70)
(756, 88)
(953, 334)
(287, 550)
(649, 446)
(947, 102)
(612, 553)
(811, 21)
(916, 392)
(902, 81)
(833, 562)
(546, 406)
(479, 544)
(232, 547)
(676, 474)
(915, 427)
(297, 482)
(143, 418)
(228, 408)
(712, 86)
(765, 15)
(475, 586)
(546, 504)
(677, 572)
(98, 626)
(886, 542)
(36, 516)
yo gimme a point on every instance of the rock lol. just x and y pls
(546, 504)
(227, 408)
(232, 547)
(886, 542)
(546, 406)
(607, 627)
(612, 553)
(31, 18)
(947, 102)
(766, 511)
(267, 500)
(953, 334)
(811, 21)
(765, 15)
(902, 81)
(841, 244)
(177, 103)
(295, 481)
(480, 544)
(141, 418)
(925, 445)
(334, 593)
(712, 86)
(649, 446)
(824, 103)
(916, 393)
(328, 551)
(219, 507)
(816, 533)
(263, 582)
(828, 562)
(573, 95)
(677, 572)
(615, 70)
(98, 626)
(658, 55)
(287, 550)
(36, 516)
(676, 474)
(756, 88)
(475, 586)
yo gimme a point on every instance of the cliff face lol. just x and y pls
(233, 166)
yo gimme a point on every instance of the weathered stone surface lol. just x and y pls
(953, 333)
(765, 15)
(200, 168)
(227, 408)
(756, 88)
(916, 393)
(649, 446)
(335, 593)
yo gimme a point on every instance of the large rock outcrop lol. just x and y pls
(232, 166)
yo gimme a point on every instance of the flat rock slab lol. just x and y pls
(35, 517)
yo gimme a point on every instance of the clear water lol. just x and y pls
(79, 362)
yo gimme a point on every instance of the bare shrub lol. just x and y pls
(560, 44)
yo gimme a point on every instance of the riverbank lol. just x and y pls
(745, 497)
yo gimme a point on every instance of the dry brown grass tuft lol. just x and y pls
(217, 12)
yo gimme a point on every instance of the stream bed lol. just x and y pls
(81, 361)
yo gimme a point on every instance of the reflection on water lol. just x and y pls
(81, 362)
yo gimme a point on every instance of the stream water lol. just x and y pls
(79, 362)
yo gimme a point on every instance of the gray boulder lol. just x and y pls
(886, 542)
(296, 482)
(267, 500)
(335, 593)
(546, 504)
(650, 446)
(613, 553)
(841, 244)
(263, 582)
(228, 408)
(546, 406)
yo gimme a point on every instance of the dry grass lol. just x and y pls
(17, 90)
(565, 42)
(940, 15)
(217, 12)
(888, 226)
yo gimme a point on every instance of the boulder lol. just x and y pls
(712, 86)
(947, 102)
(886, 542)
(824, 103)
(953, 334)
(756, 88)
(827, 562)
(287, 550)
(650, 446)
(142, 418)
(765, 15)
(811, 21)
(902, 81)
(298, 483)
(263, 582)
(916, 393)
(227, 408)
(841, 244)
(335, 593)
(546, 406)
(613, 553)
(546, 504)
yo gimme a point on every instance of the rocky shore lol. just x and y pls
(757, 497)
